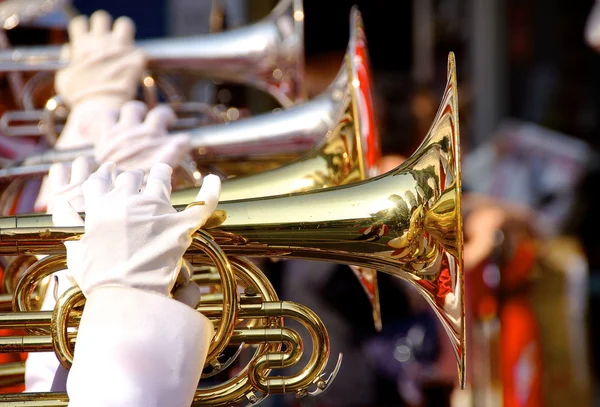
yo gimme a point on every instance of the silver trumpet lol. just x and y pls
(275, 136)
(268, 55)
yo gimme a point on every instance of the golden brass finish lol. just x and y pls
(267, 333)
(349, 153)
(406, 222)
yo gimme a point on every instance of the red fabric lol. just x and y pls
(521, 357)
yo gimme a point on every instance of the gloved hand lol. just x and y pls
(147, 348)
(103, 64)
(133, 144)
(103, 73)
(144, 235)
(43, 371)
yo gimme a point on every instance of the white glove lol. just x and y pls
(63, 185)
(103, 73)
(103, 64)
(133, 144)
(135, 239)
(43, 371)
(148, 349)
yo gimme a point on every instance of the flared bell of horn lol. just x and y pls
(349, 152)
(407, 223)
(268, 55)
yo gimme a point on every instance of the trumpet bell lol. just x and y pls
(349, 152)
(407, 223)
(265, 141)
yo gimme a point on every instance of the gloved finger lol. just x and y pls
(124, 30)
(196, 215)
(160, 117)
(100, 22)
(80, 170)
(99, 183)
(158, 183)
(130, 181)
(132, 113)
(118, 144)
(65, 52)
(63, 214)
(188, 294)
(174, 151)
(78, 27)
(134, 153)
(58, 177)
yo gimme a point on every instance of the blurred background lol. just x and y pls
(529, 94)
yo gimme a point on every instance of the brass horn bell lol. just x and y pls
(406, 222)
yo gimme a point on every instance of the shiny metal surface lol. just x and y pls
(407, 223)
(349, 152)
(268, 55)
(252, 142)
(17, 12)
(289, 133)
(259, 314)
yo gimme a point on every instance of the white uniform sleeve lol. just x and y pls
(137, 349)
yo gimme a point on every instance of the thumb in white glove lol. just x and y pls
(135, 239)
(132, 143)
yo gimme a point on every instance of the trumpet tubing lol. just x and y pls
(48, 331)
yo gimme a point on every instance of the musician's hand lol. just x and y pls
(135, 239)
(140, 139)
(104, 65)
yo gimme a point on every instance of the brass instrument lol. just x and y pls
(264, 141)
(406, 222)
(349, 153)
(268, 55)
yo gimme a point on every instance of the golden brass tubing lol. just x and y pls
(212, 396)
(6, 301)
(12, 369)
